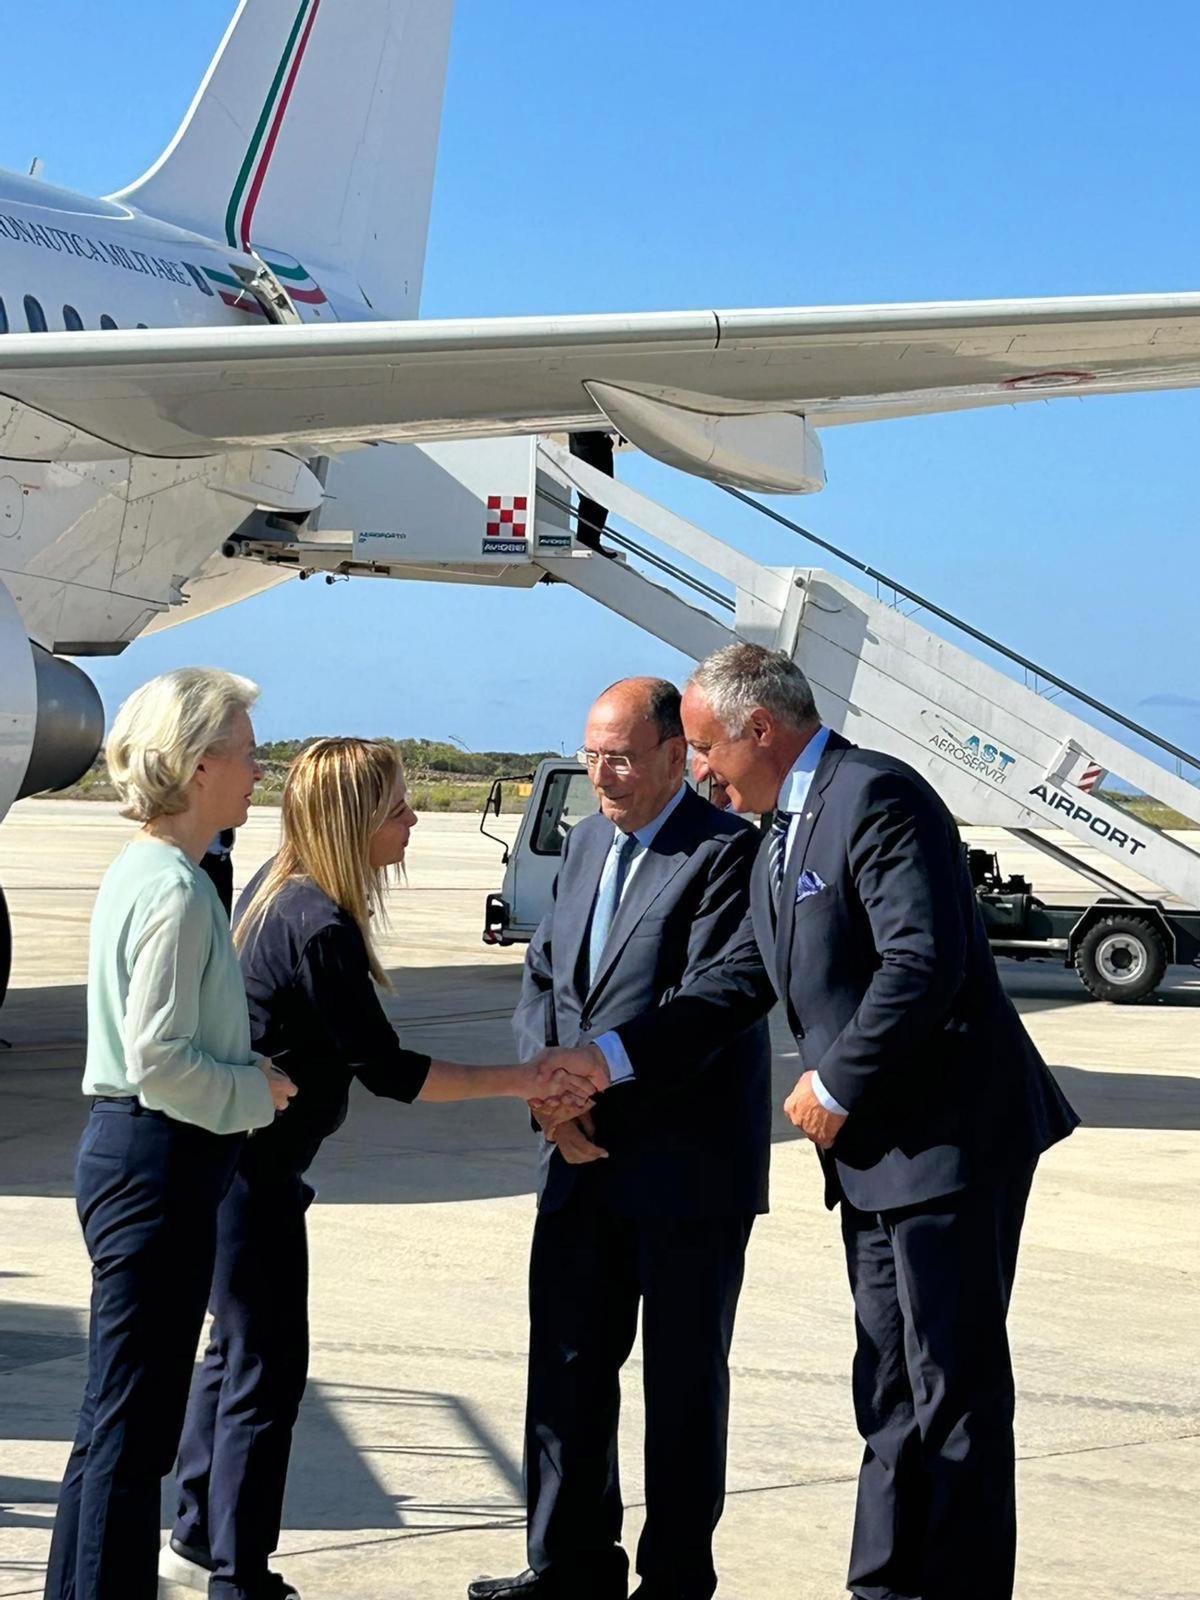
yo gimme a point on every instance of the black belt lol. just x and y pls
(130, 1102)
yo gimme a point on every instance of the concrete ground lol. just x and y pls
(406, 1475)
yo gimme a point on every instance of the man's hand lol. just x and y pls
(805, 1111)
(574, 1141)
(553, 1114)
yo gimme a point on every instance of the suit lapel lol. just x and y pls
(577, 893)
(832, 754)
(762, 914)
(654, 870)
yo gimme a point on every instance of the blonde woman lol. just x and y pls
(175, 1086)
(303, 928)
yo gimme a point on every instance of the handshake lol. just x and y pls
(561, 1086)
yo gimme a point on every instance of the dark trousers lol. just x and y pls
(595, 450)
(233, 1457)
(933, 1394)
(219, 866)
(147, 1190)
(589, 1269)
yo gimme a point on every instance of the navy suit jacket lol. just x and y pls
(892, 993)
(689, 1136)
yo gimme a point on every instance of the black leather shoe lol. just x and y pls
(525, 1586)
(529, 1585)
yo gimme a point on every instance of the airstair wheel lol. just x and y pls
(1121, 959)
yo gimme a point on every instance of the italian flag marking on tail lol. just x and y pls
(234, 292)
(239, 216)
(299, 284)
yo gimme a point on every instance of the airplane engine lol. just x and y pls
(51, 718)
(51, 725)
(69, 728)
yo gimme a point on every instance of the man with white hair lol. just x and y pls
(925, 1097)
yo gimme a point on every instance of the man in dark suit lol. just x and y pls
(925, 1096)
(651, 1197)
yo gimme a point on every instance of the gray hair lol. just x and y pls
(739, 677)
(163, 732)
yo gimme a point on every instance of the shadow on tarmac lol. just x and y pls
(389, 1153)
(331, 1484)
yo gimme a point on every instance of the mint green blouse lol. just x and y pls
(167, 1017)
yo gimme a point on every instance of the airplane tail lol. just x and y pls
(315, 132)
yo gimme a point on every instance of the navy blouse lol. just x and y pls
(315, 1011)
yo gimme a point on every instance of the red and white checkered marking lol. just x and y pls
(506, 516)
(1089, 778)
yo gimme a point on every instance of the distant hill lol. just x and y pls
(441, 777)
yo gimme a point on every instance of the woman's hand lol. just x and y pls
(281, 1086)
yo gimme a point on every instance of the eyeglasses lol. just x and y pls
(620, 762)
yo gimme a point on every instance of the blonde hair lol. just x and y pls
(164, 730)
(337, 795)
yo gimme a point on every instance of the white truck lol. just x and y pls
(1120, 949)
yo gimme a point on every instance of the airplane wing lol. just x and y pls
(194, 391)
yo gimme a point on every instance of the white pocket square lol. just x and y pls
(808, 883)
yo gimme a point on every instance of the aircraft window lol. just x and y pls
(72, 321)
(3, 318)
(107, 322)
(142, 324)
(35, 317)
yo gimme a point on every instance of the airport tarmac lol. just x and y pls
(406, 1473)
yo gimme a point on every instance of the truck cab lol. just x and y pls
(557, 796)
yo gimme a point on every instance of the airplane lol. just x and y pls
(183, 359)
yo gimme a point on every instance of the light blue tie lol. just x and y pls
(608, 898)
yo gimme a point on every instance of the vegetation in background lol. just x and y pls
(441, 777)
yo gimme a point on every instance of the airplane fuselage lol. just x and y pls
(65, 256)
(92, 550)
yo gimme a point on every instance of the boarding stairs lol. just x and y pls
(998, 750)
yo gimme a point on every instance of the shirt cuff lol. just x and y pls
(824, 1096)
(620, 1068)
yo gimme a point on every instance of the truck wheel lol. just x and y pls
(1121, 959)
(5, 947)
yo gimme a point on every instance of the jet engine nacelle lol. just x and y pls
(51, 718)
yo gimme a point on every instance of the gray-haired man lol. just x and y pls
(926, 1098)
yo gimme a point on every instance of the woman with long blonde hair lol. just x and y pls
(311, 970)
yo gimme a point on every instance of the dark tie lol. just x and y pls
(608, 898)
(777, 851)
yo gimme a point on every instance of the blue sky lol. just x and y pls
(634, 156)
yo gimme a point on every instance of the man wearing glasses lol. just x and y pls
(649, 1198)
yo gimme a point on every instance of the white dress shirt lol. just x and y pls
(793, 797)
